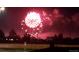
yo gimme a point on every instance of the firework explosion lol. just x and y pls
(35, 22)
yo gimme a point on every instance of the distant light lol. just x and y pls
(2, 8)
(6, 39)
(11, 39)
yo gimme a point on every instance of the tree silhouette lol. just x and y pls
(26, 37)
(60, 36)
(13, 35)
(2, 35)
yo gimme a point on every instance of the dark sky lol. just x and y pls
(68, 24)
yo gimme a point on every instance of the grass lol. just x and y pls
(21, 47)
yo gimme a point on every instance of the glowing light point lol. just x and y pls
(41, 25)
(22, 20)
(21, 28)
(37, 28)
(22, 24)
(25, 30)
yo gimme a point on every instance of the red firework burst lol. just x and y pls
(34, 22)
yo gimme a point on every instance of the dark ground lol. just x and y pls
(57, 49)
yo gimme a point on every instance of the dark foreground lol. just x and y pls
(58, 49)
(5, 47)
(61, 48)
(38, 48)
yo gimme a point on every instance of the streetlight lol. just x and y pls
(2, 9)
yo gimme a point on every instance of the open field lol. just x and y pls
(37, 47)
(66, 46)
(22, 47)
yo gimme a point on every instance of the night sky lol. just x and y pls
(67, 23)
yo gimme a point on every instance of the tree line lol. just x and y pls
(56, 39)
